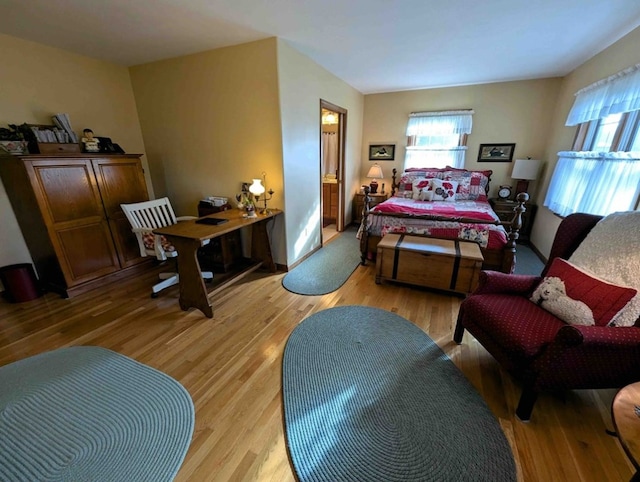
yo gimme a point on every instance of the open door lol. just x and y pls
(333, 121)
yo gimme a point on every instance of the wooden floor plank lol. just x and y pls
(232, 367)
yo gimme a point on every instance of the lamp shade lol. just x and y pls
(526, 169)
(375, 172)
(256, 187)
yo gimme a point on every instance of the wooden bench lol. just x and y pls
(443, 264)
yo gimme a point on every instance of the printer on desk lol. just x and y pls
(213, 204)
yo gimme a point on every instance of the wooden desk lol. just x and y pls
(188, 236)
(627, 423)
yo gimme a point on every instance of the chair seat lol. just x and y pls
(518, 326)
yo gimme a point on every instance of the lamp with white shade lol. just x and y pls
(525, 170)
(374, 172)
(258, 188)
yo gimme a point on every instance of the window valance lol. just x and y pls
(613, 95)
(440, 123)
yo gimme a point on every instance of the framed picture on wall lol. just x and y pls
(382, 152)
(496, 152)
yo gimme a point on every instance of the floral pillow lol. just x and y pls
(420, 187)
(443, 190)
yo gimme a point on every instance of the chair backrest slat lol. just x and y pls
(150, 215)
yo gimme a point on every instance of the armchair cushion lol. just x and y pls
(611, 251)
(600, 300)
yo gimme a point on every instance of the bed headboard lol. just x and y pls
(479, 177)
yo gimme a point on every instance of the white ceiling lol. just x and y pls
(373, 45)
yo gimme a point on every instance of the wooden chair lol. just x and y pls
(146, 216)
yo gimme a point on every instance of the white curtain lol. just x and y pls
(614, 95)
(594, 182)
(436, 138)
(440, 123)
(329, 152)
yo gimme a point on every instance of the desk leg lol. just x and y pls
(260, 245)
(193, 292)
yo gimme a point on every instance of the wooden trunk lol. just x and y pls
(442, 264)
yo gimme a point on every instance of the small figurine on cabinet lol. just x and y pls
(91, 144)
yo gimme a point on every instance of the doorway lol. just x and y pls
(332, 143)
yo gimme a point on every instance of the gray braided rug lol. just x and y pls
(328, 268)
(90, 414)
(368, 396)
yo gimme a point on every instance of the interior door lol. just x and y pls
(336, 198)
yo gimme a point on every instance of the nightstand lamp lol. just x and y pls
(374, 172)
(525, 170)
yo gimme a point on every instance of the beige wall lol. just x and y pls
(302, 84)
(508, 112)
(622, 54)
(210, 122)
(39, 81)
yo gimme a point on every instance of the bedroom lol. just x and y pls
(121, 104)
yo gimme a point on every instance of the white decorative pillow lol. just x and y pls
(418, 186)
(443, 190)
(611, 251)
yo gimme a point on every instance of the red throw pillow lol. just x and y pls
(604, 299)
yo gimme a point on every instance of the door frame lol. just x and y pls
(342, 132)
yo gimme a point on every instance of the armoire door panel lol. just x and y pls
(121, 181)
(87, 252)
(66, 192)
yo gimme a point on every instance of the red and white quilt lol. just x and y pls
(486, 235)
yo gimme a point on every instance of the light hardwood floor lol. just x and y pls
(231, 366)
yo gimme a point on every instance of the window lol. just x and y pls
(602, 174)
(437, 139)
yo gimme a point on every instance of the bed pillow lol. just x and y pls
(443, 190)
(472, 185)
(420, 186)
(409, 176)
(579, 297)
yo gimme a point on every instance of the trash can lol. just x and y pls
(20, 283)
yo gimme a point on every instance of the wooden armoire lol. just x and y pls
(68, 208)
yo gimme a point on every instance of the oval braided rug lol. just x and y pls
(86, 414)
(368, 396)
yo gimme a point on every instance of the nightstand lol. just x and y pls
(504, 209)
(358, 204)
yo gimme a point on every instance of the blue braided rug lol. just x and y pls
(328, 268)
(87, 414)
(368, 396)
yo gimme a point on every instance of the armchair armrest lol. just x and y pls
(611, 337)
(498, 282)
(185, 218)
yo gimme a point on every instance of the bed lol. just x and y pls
(444, 203)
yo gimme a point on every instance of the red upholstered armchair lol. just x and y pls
(533, 345)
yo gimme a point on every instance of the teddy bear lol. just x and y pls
(551, 295)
